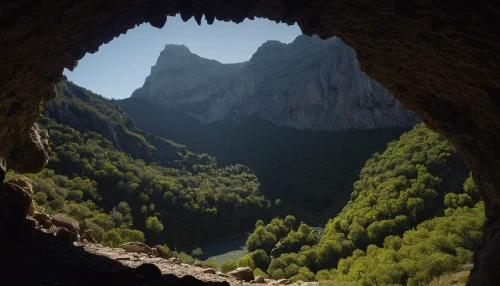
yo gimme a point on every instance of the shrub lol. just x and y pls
(185, 258)
(112, 238)
(210, 263)
(196, 252)
(323, 275)
(260, 258)
(153, 224)
(246, 261)
(278, 274)
(259, 272)
(40, 198)
(261, 238)
(227, 266)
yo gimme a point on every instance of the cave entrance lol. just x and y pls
(440, 60)
(260, 76)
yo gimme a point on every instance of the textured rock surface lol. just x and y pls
(41, 217)
(242, 273)
(209, 271)
(61, 220)
(35, 257)
(137, 247)
(88, 234)
(308, 84)
(259, 279)
(170, 267)
(66, 235)
(18, 199)
(440, 59)
(162, 252)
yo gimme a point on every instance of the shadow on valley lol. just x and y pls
(397, 202)
(309, 173)
(126, 184)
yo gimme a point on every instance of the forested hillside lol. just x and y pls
(311, 173)
(125, 183)
(414, 214)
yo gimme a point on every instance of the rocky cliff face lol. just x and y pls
(307, 84)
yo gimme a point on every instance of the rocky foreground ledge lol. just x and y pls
(149, 262)
(134, 259)
(42, 249)
(40, 253)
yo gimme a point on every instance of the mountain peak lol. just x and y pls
(173, 48)
(274, 49)
(178, 56)
(307, 84)
(303, 40)
(272, 44)
(268, 49)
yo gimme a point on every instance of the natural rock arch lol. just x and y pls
(440, 58)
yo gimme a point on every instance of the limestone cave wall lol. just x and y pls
(440, 58)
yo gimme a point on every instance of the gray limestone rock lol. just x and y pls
(308, 84)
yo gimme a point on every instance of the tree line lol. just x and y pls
(407, 222)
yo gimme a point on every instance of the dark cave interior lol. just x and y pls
(440, 59)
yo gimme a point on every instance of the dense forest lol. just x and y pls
(280, 156)
(414, 214)
(168, 195)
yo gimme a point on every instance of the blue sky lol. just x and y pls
(121, 66)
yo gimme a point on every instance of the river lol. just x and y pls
(232, 247)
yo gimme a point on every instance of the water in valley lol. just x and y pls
(231, 247)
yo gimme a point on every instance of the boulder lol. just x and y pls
(18, 200)
(66, 235)
(221, 274)
(260, 279)
(162, 252)
(41, 217)
(61, 220)
(137, 247)
(242, 273)
(88, 235)
(31, 210)
(47, 224)
(155, 252)
(209, 271)
(198, 264)
(284, 282)
(174, 260)
(23, 182)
